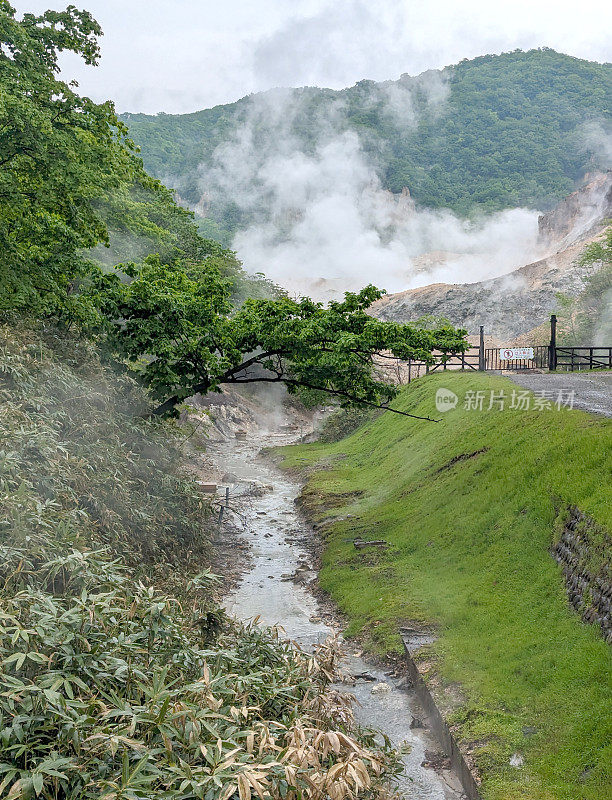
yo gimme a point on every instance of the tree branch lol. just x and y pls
(335, 392)
(205, 385)
(232, 376)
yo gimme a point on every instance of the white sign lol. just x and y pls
(514, 353)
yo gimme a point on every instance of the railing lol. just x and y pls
(402, 372)
(494, 361)
(477, 357)
(468, 360)
(573, 359)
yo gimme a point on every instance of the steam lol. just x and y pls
(320, 220)
(596, 138)
(603, 327)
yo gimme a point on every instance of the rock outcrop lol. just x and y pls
(514, 304)
(583, 550)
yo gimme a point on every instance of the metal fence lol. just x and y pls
(476, 357)
(572, 359)
(494, 361)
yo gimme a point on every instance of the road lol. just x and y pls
(592, 390)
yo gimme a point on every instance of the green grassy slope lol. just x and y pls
(470, 506)
(513, 129)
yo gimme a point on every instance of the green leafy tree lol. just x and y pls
(175, 326)
(74, 196)
(586, 319)
(59, 152)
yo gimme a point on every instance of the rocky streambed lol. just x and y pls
(263, 525)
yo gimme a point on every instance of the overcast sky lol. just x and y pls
(184, 55)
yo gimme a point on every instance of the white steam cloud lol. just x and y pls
(322, 221)
(596, 138)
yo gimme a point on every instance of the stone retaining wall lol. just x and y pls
(440, 728)
(584, 550)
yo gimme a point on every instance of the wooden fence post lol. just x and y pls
(481, 351)
(552, 347)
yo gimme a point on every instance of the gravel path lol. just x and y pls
(592, 391)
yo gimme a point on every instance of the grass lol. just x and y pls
(470, 507)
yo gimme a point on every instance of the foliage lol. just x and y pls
(112, 690)
(143, 219)
(174, 327)
(58, 153)
(469, 508)
(112, 686)
(73, 193)
(599, 252)
(586, 319)
(517, 129)
(76, 460)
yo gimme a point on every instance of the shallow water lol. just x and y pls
(276, 534)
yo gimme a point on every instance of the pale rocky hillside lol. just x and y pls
(514, 304)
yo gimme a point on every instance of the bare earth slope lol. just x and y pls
(518, 302)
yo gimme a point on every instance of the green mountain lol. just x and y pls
(498, 131)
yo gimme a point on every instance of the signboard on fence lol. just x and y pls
(515, 353)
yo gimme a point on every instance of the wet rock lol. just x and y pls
(381, 688)
(364, 676)
(436, 760)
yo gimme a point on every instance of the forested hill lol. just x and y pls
(498, 131)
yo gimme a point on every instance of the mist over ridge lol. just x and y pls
(438, 177)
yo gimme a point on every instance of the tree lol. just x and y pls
(175, 327)
(586, 319)
(59, 153)
(74, 196)
(599, 254)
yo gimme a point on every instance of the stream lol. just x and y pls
(275, 533)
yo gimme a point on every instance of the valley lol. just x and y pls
(271, 526)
